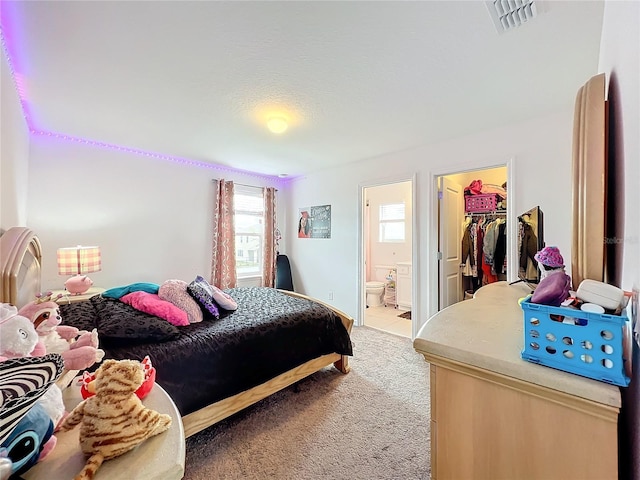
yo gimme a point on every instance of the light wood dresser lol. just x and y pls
(497, 416)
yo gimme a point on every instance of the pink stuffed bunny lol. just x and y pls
(79, 349)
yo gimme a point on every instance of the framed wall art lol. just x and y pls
(314, 222)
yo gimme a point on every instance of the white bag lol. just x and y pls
(603, 294)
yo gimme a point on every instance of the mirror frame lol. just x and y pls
(589, 181)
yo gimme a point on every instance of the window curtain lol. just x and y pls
(223, 248)
(269, 267)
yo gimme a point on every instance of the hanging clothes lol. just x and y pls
(493, 251)
(479, 253)
(500, 254)
(489, 245)
(467, 245)
(469, 250)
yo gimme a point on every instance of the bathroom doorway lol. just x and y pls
(387, 273)
(461, 228)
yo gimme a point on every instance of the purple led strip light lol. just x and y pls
(16, 82)
(143, 153)
(59, 136)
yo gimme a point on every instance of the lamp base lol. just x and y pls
(78, 284)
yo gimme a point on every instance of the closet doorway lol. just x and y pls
(464, 264)
(386, 256)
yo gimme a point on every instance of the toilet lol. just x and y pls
(375, 293)
(375, 286)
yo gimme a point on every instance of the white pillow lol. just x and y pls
(223, 299)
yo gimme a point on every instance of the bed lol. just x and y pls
(214, 368)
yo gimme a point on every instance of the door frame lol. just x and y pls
(362, 297)
(434, 281)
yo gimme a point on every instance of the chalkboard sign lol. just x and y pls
(315, 222)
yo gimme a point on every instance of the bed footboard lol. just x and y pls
(211, 414)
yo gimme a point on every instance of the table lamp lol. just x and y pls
(78, 261)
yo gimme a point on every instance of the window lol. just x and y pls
(392, 222)
(249, 224)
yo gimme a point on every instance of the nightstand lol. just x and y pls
(71, 298)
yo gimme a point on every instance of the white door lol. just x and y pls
(451, 218)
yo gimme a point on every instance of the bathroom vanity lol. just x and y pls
(497, 416)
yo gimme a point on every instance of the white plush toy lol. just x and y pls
(18, 338)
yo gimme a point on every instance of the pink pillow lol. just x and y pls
(175, 291)
(223, 299)
(154, 305)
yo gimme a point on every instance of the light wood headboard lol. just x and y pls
(21, 266)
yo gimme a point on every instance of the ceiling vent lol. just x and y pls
(509, 14)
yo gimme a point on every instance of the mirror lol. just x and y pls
(589, 181)
(530, 241)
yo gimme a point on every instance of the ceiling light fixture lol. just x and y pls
(277, 125)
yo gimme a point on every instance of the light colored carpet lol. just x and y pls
(372, 423)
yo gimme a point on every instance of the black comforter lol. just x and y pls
(201, 363)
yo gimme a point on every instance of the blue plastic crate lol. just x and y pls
(586, 344)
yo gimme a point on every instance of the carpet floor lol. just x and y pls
(372, 423)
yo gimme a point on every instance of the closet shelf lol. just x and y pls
(488, 212)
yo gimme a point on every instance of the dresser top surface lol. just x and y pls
(487, 332)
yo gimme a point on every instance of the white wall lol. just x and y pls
(620, 59)
(541, 150)
(151, 218)
(14, 154)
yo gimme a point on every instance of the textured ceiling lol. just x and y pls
(355, 79)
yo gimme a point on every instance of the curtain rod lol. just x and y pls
(241, 184)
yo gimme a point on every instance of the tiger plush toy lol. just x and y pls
(114, 421)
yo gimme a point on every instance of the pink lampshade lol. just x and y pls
(79, 260)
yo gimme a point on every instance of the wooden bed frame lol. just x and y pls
(21, 262)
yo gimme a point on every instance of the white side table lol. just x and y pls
(71, 298)
(158, 458)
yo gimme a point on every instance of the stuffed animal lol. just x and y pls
(22, 382)
(26, 390)
(30, 441)
(26, 430)
(78, 348)
(555, 284)
(114, 420)
(18, 338)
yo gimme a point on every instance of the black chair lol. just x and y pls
(283, 273)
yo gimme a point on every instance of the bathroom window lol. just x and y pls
(392, 222)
